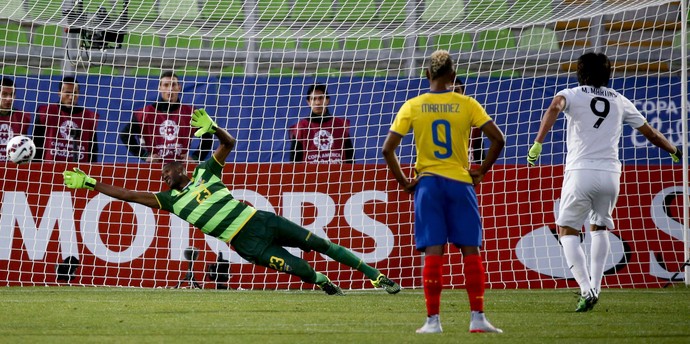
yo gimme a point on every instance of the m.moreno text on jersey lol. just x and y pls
(440, 107)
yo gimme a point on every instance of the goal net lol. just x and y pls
(249, 64)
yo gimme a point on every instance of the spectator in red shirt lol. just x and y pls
(12, 121)
(321, 138)
(66, 131)
(160, 132)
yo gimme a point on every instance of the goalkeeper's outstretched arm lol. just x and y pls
(146, 198)
(77, 179)
(227, 144)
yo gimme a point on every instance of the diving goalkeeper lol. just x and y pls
(257, 236)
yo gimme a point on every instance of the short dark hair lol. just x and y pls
(67, 80)
(169, 74)
(593, 69)
(459, 84)
(317, 87)
(174, 165)
(6, 82)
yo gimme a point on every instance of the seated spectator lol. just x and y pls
(12, 121)
(66, 131)
(322, 137)
(160, 132)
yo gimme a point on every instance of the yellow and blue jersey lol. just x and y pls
(441, 123)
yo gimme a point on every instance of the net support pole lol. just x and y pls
(684, 129)
(409, 63)
(70, 40)
(598, 28)
(249, 28)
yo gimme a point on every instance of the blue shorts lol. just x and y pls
(446, 211)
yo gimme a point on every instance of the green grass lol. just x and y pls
(117, 315)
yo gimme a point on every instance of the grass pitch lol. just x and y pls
(127, 315)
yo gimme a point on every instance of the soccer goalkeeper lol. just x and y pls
(257, 236)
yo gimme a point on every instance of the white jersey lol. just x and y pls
(595, 119)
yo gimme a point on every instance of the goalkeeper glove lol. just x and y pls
(678, 155)
(534, 152)
(78, 180)
(201, 120)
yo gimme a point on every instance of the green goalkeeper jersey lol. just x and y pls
(207, 203)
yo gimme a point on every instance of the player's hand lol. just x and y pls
(534, 153)
(678, 155)
(477, 176)
(78, 180)
(410, 186)
(201, 120)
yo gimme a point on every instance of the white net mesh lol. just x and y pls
(249, 63)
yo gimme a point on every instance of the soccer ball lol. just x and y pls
(20, 149)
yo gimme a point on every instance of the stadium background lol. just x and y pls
(259, 111)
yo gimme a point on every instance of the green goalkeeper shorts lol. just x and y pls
(267, 230)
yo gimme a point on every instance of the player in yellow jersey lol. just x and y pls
(446, 209)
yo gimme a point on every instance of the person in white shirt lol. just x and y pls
(595, 116)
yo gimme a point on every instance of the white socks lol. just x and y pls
(600, 251)
(575, 257)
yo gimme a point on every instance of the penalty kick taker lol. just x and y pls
(257, 236)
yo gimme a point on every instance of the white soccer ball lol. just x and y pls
(20, 149)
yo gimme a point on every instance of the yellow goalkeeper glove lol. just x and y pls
(678, 155)
(201, 120)
(534, 153)
(78, 180)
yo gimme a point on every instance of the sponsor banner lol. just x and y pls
(357, 206)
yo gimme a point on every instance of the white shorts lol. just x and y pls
(590, 193)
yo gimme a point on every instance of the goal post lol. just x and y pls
(684, 122)
(250, 62)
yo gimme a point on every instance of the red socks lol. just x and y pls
(433, 283)
(475, 279)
